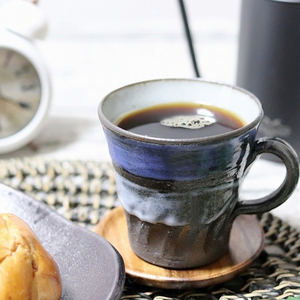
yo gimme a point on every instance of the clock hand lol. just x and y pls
(8, 100)
(10, 111)
(21, 104)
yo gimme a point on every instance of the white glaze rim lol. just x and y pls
(159, 91)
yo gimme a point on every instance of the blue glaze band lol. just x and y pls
(180, 162)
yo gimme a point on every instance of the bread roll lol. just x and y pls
(27, 271)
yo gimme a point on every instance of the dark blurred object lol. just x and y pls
(189, 38)
(269, 64)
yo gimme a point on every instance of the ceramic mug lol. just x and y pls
(181, 196)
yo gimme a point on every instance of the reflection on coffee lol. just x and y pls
(180, 121)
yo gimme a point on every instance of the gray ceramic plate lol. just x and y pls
(91, 269)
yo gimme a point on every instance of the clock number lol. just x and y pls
(23, 70)
(29, 87)
(24, 105)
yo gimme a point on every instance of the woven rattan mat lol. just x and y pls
(85, 191)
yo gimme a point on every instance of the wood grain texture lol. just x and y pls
(246, 243)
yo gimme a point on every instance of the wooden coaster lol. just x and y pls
(246, 243)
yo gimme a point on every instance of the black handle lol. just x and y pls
(288, 156)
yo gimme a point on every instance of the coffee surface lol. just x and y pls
(180, 121)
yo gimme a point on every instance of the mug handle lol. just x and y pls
(288, 156)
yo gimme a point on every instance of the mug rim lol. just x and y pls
(155, 140)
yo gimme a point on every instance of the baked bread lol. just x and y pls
(27, 271)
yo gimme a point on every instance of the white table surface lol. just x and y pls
(98, 46)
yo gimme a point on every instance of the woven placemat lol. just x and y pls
(85, 191)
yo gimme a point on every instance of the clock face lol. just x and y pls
(20, 92)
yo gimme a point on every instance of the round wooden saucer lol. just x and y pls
(246, 243)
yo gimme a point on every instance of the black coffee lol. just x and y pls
(180, 121)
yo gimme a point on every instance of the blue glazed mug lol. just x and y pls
(181, 196)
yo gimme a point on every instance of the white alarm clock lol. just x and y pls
(25, 89)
